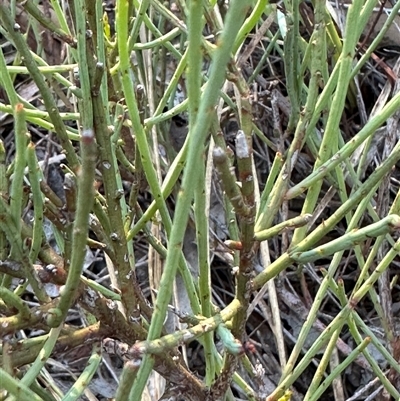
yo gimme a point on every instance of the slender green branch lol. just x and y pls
(21, 142)
(128, 376)
(85, 176)
(16, 388)
(290, 224)
(348, 240)
(76, 391)
(47, 22)
(80, 227)
(250, 22)
(314, 396)
(319, 374)
(291, 59)
(228, 179)
(34, 370)
(197, 137)
(203, 249)
(7, 83)
(123, 258)
(35, 178)
(317, 46)
(13, 301)
(369, 129)
(48, 99)
(7, 225)
(3, 190)
(168, 342)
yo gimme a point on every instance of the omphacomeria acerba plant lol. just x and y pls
(106, 101)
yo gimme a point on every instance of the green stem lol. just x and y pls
(369, 129)
(291, 60)
(47, 22)
(7, 225)
(319, 374)
(203, 250)
(298, 221)
(317, 44)
(14, 301)
(228, 179)
(37, 198)
(86, 175)
(34, 370)
(128, 376)
(314, 396)
(47, 96)
(16, 388)
(76, 391)
(168, 342)
(349, 240)
(21, 141)
(197, 138)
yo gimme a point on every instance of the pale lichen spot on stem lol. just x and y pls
(87, 136)
(242, 147)
(119, 194)
(294, 157)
